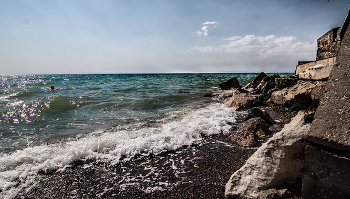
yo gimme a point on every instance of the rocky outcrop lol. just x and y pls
(300, 93)
(277, 161)
(230, 84)
(240, 101)
(248, 132)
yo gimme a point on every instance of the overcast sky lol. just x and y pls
(162, 36)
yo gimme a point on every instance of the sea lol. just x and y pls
(47, 122)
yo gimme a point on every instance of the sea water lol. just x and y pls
(102, 118)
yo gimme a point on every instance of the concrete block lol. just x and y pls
(325, 174)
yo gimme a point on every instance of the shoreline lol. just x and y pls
(197, 171)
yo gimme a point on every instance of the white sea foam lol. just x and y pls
(18, 170)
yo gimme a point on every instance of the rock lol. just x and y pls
(272, 90)
(277, 161)
(259, 79)
(291, 106)
(300, 93)
(260, 133)
(309, 117)
(267, 84)
(285, 82)
(269, 102)
(208, 95)
(243, 91)
(264, 97)
(229, 84)
(256, 112)
(240, 101)
(275, 194)
(248, 132)
(258, 103)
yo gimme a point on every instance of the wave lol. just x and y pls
(177, 129)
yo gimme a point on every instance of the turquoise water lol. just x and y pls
(34, 114)
(102, 117)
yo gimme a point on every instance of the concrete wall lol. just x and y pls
(328, 44)
(327, 163)
(314, 71)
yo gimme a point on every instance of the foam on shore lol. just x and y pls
(18, 170)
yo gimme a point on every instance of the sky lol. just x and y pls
(162, 36)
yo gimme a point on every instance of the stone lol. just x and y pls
(230, 84)
(240, 101)
(291, 106)
(256, 112)
(260, 133)
(272, 90)
(267, 84)
(275, 194)
(259, 79)
(277, 161)
(301, 93)
(309, 117)
(258, 103)
(247, 132)
(264, 97)
(285, 82)
(269, 102)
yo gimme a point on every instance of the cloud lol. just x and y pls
(210, 23)
(254, 50)
(204, 30)
(205, 49)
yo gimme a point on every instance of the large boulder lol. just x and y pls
(300, 93)
(248, 132)
(230, 84)
(240, 101)
(277, 161)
